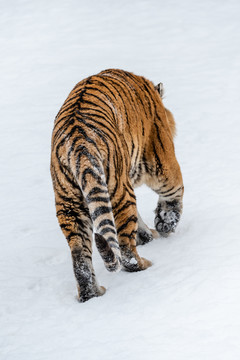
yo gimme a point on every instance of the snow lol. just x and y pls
(186, 306)
(133, 261)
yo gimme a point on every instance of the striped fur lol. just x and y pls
(112, 134)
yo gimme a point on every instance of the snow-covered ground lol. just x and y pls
(187, 305)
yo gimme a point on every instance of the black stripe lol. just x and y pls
(132, 218)
(93, 160)
(129, 236)
(144, 160)
(93, 127)
(164, 192)
(102, 101)
(96, 190)
(89, 171)
(139, 172)
(105, 222)
(169, 195)
(106, 230)
(92, 116)
(94, 107)
(158, 136)
(99, 80)
(56, 179)
(65, 171)
(100, 211)
(96, 199)
(158, 166)
(124, 207)
(72, 234)
(120, 200)
(80, 233)
(61, 130)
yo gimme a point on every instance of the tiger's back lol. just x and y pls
(112, 134)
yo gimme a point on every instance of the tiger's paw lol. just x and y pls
(167, 217)
(144, 263)
(144, 236)
(132, 261)
(136, 264)
(84, 296)
(102, 291)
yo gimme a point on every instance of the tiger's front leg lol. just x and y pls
(169, 207)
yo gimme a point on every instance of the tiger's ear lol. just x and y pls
(160, 89)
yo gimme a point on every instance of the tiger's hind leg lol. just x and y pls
(76, 224)
(126, 220)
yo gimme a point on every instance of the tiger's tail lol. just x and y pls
(109, 252)
(93, 184)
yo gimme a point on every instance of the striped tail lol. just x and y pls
(93, 185)
(111, 257)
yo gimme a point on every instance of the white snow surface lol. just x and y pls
(187, 305)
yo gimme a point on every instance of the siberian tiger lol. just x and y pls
(112, 134)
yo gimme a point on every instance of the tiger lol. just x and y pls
(111, 135)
